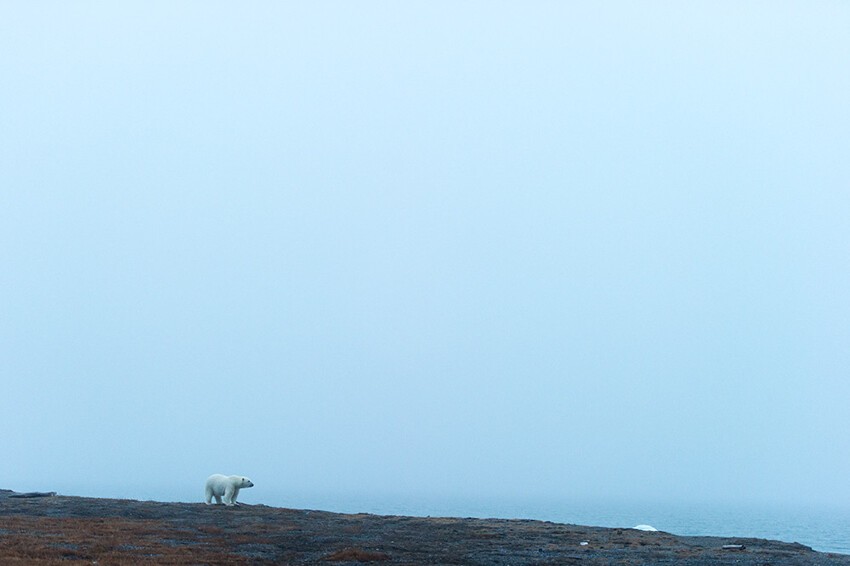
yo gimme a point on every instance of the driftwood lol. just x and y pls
(33, 494)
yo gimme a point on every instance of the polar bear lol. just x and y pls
(226, 486)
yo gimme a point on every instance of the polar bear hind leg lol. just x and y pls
(210, 494)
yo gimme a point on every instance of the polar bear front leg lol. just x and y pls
(229, 495)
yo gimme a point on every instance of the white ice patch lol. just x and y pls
(645, 528)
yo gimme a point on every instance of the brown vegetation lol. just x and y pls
(357, 555)
(113, 540)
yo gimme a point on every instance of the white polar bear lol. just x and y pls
(226, 486)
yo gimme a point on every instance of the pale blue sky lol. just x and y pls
(434, 249)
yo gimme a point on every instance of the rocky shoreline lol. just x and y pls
(45, 528)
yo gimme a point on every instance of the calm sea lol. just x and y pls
(824, 529)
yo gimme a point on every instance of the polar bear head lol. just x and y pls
(245, 482)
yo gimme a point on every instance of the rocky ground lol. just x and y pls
(49, 529)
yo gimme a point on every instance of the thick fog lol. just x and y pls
(426, 250)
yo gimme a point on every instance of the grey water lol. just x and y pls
(824, 528)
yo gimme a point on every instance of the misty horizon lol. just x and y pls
(557, 251)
